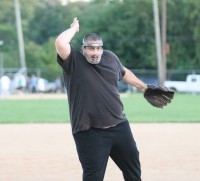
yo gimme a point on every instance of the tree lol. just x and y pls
(127, 29)
(182, 27)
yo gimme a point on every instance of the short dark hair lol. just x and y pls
(91, 36)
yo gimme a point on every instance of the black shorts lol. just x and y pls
(94, 147)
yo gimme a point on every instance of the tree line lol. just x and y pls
(127, 29)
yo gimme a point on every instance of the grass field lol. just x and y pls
(184, 108)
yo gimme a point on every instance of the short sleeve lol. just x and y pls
(121, 70)
(119, 66)
(68, 64)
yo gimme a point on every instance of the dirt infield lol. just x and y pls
(46, 152)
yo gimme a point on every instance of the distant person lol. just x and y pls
(58, 84)
(41, 85)
(20, 83)
(5, 85)
(33, 83)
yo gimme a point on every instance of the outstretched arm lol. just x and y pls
(156, 95)
(62, 42)
(130, 78)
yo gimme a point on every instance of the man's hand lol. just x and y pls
(75, 25)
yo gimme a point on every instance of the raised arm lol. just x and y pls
(62, 42)
(130, 78)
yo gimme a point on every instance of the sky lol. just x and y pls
(65, 2)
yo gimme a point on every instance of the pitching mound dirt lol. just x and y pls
(46, 152)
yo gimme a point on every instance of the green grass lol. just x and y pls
(33, 111)
(184, 108)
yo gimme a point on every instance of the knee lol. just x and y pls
(92, 176)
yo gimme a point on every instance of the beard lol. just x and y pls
(93, 59)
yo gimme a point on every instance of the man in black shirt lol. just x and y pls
(99, 125)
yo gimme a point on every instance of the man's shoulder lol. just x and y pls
(107, 52)
(110, 54)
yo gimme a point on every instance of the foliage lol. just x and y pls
(127, 29)
(182, 34)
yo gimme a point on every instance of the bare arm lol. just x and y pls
(62, 42)
(130, 78)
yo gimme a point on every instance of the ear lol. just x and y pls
(82, 48)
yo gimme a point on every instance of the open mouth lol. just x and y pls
(94, 57)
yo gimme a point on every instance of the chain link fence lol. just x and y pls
(146, 75)
(151, 76)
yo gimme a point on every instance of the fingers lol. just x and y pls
(75, 20)
(75, 24)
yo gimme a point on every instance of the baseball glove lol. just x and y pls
(158, 96)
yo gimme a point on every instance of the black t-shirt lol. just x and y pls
(93, 96)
